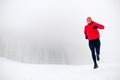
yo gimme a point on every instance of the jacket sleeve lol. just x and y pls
(100, 26)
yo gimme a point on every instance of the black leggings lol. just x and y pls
(94, 46)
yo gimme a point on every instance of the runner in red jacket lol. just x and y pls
(92, 34)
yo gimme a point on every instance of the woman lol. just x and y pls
(92, 34)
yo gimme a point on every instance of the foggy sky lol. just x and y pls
(61, 23)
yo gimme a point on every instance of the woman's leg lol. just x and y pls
(97, 46)
(92, 48)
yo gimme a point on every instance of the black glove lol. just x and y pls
(86, 37)
(95, 27)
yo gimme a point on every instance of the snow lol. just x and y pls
(13, 70)
(51, 31)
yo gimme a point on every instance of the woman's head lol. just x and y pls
(89, 20)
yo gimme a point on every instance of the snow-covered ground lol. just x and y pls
(12, 70)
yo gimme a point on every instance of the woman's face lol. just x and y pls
(89, 20)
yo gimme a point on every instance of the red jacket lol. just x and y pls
(92, 33)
